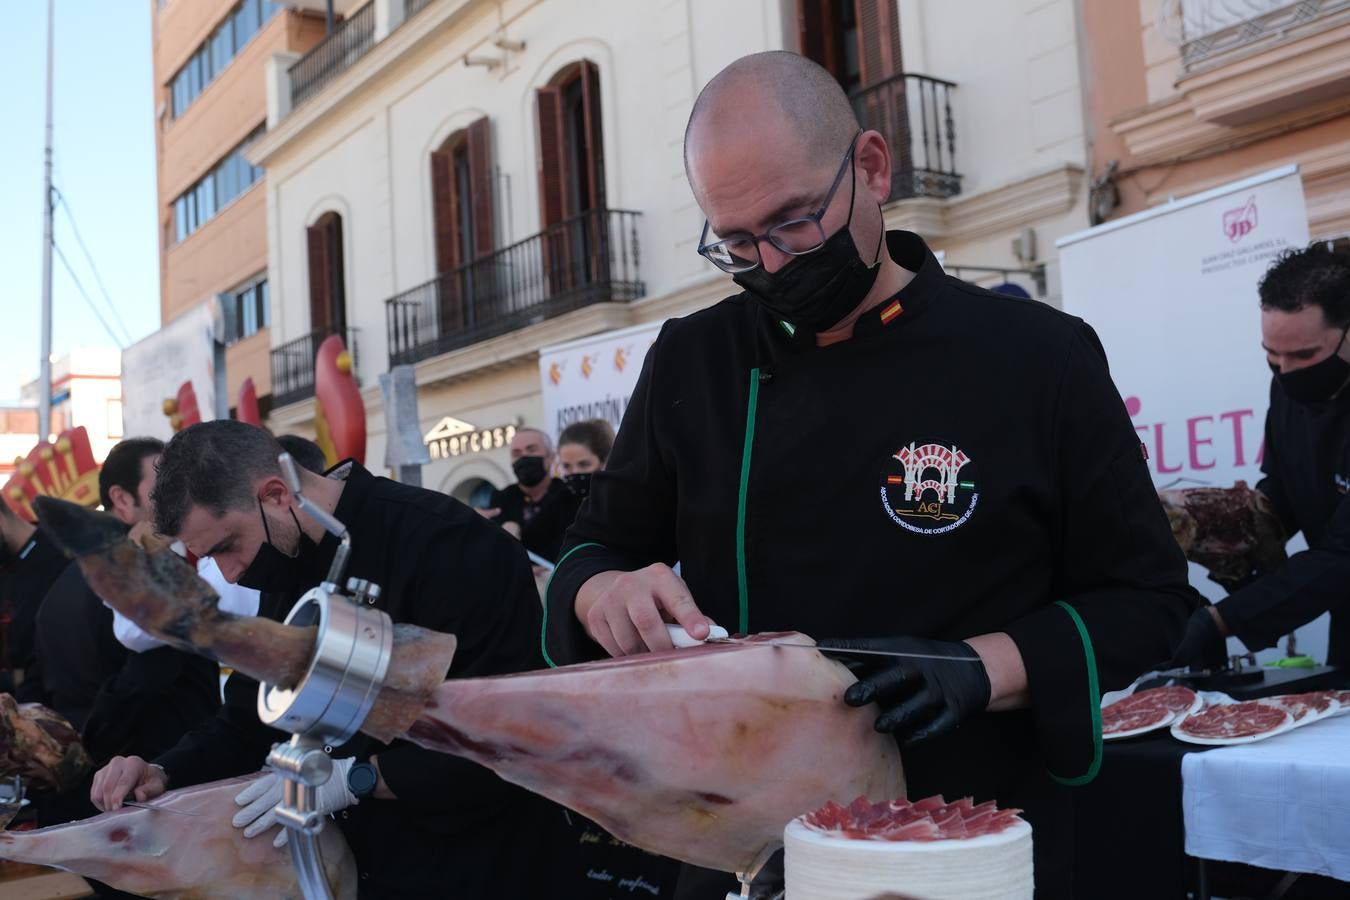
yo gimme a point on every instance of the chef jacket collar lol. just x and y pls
(910, 252)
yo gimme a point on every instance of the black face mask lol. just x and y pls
(1319, 382)
(818, 290)
(578, 483)
(274, 571)
(529, 470)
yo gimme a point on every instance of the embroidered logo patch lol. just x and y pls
(929, 487)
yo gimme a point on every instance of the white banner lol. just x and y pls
(1172, 292)
(594, 377)
(154, 368)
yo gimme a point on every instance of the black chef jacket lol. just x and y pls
(542, 524)
(26, 582)
(123, 702)
(456, 826)
(779, 474)
(1307, 477)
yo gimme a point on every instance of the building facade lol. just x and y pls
(86, 391)
(1195, 93)
(210, 104)
(454, 184)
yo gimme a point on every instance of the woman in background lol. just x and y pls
(583, 448)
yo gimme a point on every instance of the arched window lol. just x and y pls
(461, 190)
(327, 283)
(572, 176)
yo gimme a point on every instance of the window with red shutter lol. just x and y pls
(327, 284)
(572, 177)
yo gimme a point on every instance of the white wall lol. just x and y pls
(1018, 104)
(369, 160)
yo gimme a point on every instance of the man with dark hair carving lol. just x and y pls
(410, 815)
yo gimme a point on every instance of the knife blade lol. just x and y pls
(841, 651)
(177, 812)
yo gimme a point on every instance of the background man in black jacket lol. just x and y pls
(433, 822)
(864, 449)
(123, 702)
(1305, 312)
(29, 564)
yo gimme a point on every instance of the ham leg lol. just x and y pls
(40, 745)
(159, 854)
(1233, 532)
(703, 754)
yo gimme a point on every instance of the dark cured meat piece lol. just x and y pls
(1232, 532)
(39, 745)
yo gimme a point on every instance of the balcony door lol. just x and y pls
(327, 281)
(461, 190)
(858, 42)
(572, 179)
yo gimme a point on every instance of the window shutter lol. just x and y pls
(594, 136)
(878, 40)
(552, 157)
(480, 185)
(319, 270)
(444, 210)
(814, 42)
(337, 292)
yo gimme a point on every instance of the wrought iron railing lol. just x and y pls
(1205, 29)
(590, 258)
(293, 364)
(333, 55)
(413, 7)
(914, 114)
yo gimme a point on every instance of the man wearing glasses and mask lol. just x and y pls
(863, 449)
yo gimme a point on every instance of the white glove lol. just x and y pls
(260, 799)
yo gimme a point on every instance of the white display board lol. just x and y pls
(154, 368)
(594, 377)
(1172, 291)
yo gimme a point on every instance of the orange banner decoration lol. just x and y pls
(247, 409)
(65, 469)
(339, 414)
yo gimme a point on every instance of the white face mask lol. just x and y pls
(235, 599)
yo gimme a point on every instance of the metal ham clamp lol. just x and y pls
(328, 705)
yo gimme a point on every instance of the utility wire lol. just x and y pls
(80, 287)
(70, 216)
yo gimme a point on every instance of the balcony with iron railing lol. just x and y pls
(293, 364)
(1206, 31)
(914, 113)
(350, 40)
(590, 258)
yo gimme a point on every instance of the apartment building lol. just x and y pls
(454, 184)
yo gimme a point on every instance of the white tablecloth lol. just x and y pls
(1282, 803)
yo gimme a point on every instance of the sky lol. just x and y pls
(104, 166)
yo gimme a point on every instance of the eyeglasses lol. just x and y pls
(739, 252)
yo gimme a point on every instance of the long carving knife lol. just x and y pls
(681, 638)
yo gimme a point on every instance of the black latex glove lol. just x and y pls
(1202, 646)
(919, 698)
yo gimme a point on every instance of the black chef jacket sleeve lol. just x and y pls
(150, 703)
(478, 586)
(1123, 596)
(1309, 583)
(636, 488)
(232, 742)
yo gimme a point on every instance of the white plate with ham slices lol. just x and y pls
(1146, 711)
(1255, 720)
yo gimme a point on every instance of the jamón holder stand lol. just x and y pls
(328, 705)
